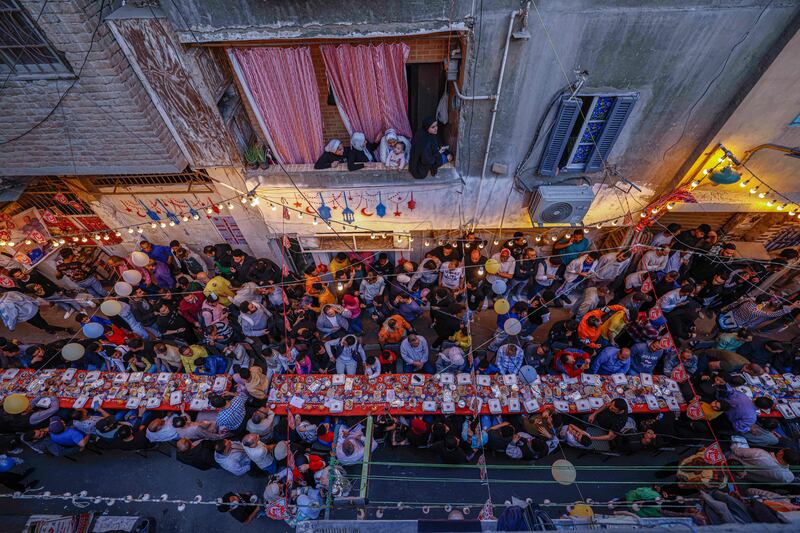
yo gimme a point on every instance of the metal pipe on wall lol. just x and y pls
(496, 99)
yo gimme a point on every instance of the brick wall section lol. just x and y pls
(108, 117)
(423, 50)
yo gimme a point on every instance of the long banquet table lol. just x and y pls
(115, 390)
(465, 394)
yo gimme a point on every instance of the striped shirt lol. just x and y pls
(231, 417)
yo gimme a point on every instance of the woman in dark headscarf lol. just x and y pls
(426, 152)
(333, 155)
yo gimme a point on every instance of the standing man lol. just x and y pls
(80, 268)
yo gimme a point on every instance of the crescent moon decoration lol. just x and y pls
(364, 212)
(310, 211)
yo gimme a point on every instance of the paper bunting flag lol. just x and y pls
(713, 454)
(679, 374)
(694, 411)
(486, 511)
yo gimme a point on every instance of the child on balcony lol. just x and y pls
(396, 158)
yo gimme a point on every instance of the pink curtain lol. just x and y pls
(369, 82)
(283, 90)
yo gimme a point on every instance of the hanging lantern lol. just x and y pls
(726, 176)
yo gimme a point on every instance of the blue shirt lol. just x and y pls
(607, 363)
(643, 361)
(740, 410)
(160, 253)
(70, 437)
(571, 252)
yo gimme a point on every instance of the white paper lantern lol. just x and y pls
(512, 326)
(72, 351)
(139, 259)
(123, 288)
(111, 307)
(563, 472)
(132, 276)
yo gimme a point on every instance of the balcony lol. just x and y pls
(376, 175)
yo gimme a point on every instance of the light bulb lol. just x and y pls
(117, 234)
(480, 271)
(153, 225)
(642, 214)
(230, 206)
(615, 222)
(496, 242)
(195, 217)
(793, 212)
(299, 214)
(244, 199)
(466, 245)
(27, 241)
(273, 207)
(410, 239)
(539, 238)
(762, 195)
(721, 159)
(163, 224)
(598, 226)
(209, 210)
(315, 221)
(141, 229)
(399, 238)
(654, 210)
(384, 235)
(97, 237)
(744, 183)
(105, 237)
(554, 238)
(12, 244)
(339, 287)
(171, 223)
(671, 206)
(55, 244)
(130, 230)
(695, 183)
(585, 230)
(481, 245)
(373, 236)
(84, 239)
(185, 218)
(427, 242)
(75, 239)
(706, 171)
(753, 190)
(3, 243)
(782, 207)
(770, 203)
(220, 206)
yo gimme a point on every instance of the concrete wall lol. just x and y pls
(763, 117)
(690, 60)
(105, 125)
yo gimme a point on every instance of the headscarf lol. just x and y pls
(427, 122)
(390, 135)
(333, 145)
(359, 142)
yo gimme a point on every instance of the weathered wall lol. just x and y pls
(105, 125)
(690, 60)
(763, 117)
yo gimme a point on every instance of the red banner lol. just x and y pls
(713, 454)
(694, 411)
(679, 374)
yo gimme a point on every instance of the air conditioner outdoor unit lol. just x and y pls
(563, 205)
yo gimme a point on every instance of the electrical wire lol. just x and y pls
(77, 78)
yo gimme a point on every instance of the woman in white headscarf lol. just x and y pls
(334, 154)
(360, 151)
(389, 139)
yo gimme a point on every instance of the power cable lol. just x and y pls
(77, 78)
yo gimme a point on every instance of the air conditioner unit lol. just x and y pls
(561, 205)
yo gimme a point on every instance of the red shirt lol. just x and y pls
(190, 310)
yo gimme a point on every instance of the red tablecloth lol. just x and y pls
(110, 387)
(360, 396)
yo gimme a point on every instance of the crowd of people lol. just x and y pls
(422, 155)
(222, 311)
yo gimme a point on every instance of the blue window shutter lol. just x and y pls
(617, 117)
(568, 113)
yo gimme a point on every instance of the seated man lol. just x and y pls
(645, 356)
(510, 359)
(611, 360)
(350, 445)
(611, 418)
(761, 466)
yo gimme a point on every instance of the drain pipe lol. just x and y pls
(496, 98)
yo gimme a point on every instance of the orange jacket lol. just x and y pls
(589, 334)
(396, 335)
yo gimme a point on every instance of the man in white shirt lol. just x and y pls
(507, 265)
(451, 275)
(259, 453)
(230, 456)
(654, 260)
(610, 266)
(761, 466)
(546, 274)
(676, 297)
(414, 351)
